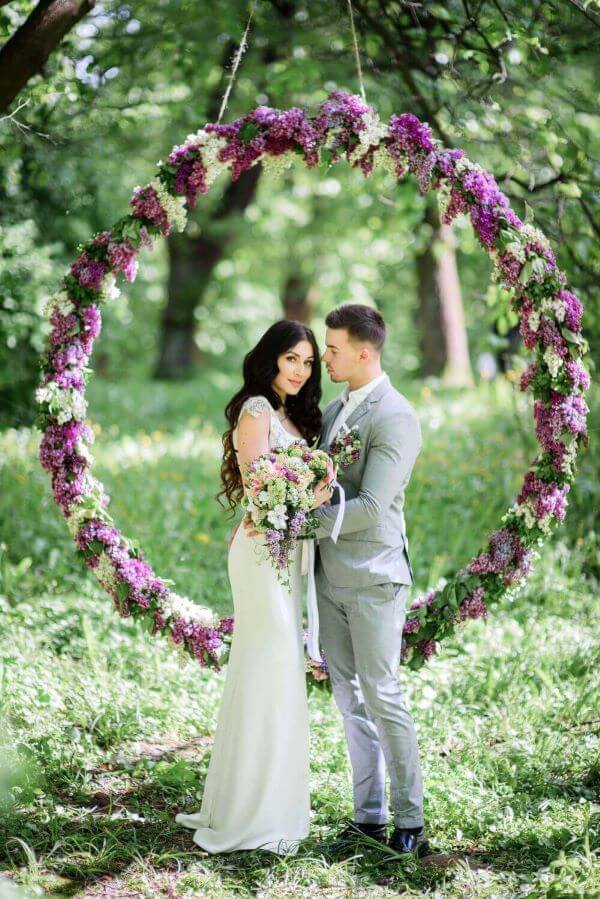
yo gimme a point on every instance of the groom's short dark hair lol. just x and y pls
(361, 322)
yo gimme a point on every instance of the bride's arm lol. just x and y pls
(252, 440)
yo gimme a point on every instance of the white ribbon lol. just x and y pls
(307, 566)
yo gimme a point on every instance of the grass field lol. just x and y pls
(106, 734)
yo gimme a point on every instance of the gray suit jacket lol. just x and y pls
(372, 547)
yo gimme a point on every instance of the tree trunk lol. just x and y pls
(443, 336)
(192, 260)
(191, 263)
(298, 298)
(27, 50)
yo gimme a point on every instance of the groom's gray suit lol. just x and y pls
(363, 583)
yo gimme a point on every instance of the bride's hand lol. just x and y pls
(322, 493)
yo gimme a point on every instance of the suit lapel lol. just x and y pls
(354, 416)
(329, 419)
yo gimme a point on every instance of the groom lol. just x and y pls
(363, 582)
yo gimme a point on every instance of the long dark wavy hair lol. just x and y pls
(260, 370)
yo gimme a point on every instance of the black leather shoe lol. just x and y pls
(409, 840)
(349, 839)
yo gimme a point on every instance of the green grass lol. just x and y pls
(107, 733)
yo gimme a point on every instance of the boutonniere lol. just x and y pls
(345, 447)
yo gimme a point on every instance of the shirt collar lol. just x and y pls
(360, 393)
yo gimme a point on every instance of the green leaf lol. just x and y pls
(247, 132)
(526, 272)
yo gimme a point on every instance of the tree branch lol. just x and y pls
(27, 50)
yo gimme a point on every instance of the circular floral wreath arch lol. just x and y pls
(550, 324)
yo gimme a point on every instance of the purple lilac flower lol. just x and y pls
(201, 640)
(410, 134)
(96, 529)
(473, 605)
(63, 327)
(423, 600)
(343, 113)
(412, 625)
(457, 205)
(68, 487)
(486, 222)
(59, 441)
(532, 248)
(146, 205)
(578, 374)
(88, 272)
(102, 239)
(190, 180)
(72, 354)
(510, 267)
(574, 311)
(226, 625)
(562, 413)
(427, 648)
(544, 498)
(446, 160)
(507, 557)
(528, 376)
(123, 257)
(92, 323)
(296, 524)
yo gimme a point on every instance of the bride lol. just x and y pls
(257, 787)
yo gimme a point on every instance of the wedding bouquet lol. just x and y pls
(345, 447)
(279, 496)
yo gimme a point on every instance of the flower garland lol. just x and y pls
(344, 127)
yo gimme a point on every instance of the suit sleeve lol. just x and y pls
(395, 445)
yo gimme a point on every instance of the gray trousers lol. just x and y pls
(361, 635)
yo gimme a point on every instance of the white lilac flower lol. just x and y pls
(174, 207)
(211, 145)
(534, 320)
(105, 572)
(108, 287)
(77, 516)
(525, 511)
(530, 234)
(64, 403)
(276, 166)
(60, 301)
(82, 450)
(552, 360)
(569, 457)
(263, 497)
(94, 488)
(554, 306)
(183, 607)
(371, 135)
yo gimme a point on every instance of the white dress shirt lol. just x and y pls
(351, 399)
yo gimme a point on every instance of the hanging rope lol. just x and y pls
(356, 52)
(237, 58)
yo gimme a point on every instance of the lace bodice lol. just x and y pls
(278, 435)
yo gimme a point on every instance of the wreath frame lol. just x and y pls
(345, 127)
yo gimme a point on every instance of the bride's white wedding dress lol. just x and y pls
(257, 787)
